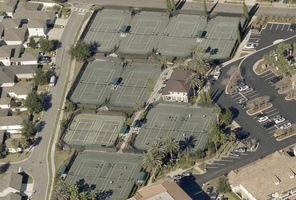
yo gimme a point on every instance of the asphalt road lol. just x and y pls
(189, 5)
(268, 144)
(36, 164)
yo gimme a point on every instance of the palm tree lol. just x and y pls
(151, 162)
(171, 145)
(187, 144)
(15, 144)
(231, 137)
(74, 192)
(23, 143)
(61, 191)
(83, 196)
(215, 137)
(192, 82)
(200, 65)
(158, 149)
(92, 195)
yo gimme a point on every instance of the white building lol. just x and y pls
(176, 90)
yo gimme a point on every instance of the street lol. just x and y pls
(36, 165)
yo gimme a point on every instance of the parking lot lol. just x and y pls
(111, 175)
(269, 123)
(179, 122)
(270, 33)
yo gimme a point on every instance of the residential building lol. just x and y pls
(11, 124)
(10, 183)
(176, 89)
(7, 77)
(5, 102)
(14, 36)
(17, 92)
(8, 6)
(37, 27)
(16, 55)
(271, 178)
(162, 189)
(10, 148)
(11, 196)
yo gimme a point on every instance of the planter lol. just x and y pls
(252, 112)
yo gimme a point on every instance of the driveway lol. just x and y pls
(36, 164)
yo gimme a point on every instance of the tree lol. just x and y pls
(158, 149)
(29, 129)
(61, 191)
(215, 134)
(200, 65)
(192, 82)
(32, 43)
(226, 117)
(46, 45)
(40, 77)
(202, 96)
(223, 185)
(34, 102)
(245, 10)
(15, 143)
(80, 51)
(200, 154)
(208, 97)
(151, 162)
(66, 11)
(24, 143)
(171, 145)
(231, 137)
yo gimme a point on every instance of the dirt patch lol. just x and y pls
(232, 82)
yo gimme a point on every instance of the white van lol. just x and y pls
(52, 81)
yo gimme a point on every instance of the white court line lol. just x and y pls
(106, 133)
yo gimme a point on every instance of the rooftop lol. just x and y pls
(11, 120)
(277, 171)
(176, 83)
(13, 180)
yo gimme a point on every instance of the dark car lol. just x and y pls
(268, 125)
(209, 190)
(292, 27)
(45, 59)
(242, 135)
(275, 79)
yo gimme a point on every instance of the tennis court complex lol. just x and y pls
(175, 121)
(180, 35)
(94, 86)
(105, 28)
(94, 129)
(137, 80)
(112, 175)
(145, 33)
(220, 38)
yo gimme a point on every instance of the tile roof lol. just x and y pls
(274, 173)
(176, 83)
(161, 190)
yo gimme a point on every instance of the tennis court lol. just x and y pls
(94, 87)
(94, 129)
(135, 85)
(220, 38)
(112, 175)
(180, 35)
(175, 121)
(105, 28)
(146, 31)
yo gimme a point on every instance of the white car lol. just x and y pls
(217, 75)
(220, 197)
(286, 125)
(250, 89)
(279, 120)
(243, 88)
(250, 46)
(263, 118)
(242, 100)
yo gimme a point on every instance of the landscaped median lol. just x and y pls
(282, 134)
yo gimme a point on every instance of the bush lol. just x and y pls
(223, 185)
(200, 154)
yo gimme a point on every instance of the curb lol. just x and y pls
(259, 110)
(285, 137)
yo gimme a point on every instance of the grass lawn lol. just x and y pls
(78, 66)
(193, 171)
(15, 157)
(202, 166)
(42, 88)
(62, 157)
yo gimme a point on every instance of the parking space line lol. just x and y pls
(283, 27)
(288, 27)
(270, 78)
(270, 111)
(277, 27)
(250, 97)
(271, 26)
(267, 74)
(276, 113)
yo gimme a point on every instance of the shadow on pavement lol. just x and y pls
(193, 190)
(4, 167)
(253, 10)
(235, 112)
(47, 101)
(37, 141)
(216, 95)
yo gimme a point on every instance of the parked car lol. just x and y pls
(292, 27)
(242, 100)
(275, 79)
(217, 75)
(286, 125)
(241, 82)
(268, 125)
(209, 189)
(242, 135)
(262, 117)
(250, 46)
(186, 174)
(240, 150)
(214, 194)
(220, 197)
(249, 90)
(278, 120)
(45, 59)
(234, 154)
(243, 88)
(177, 177)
